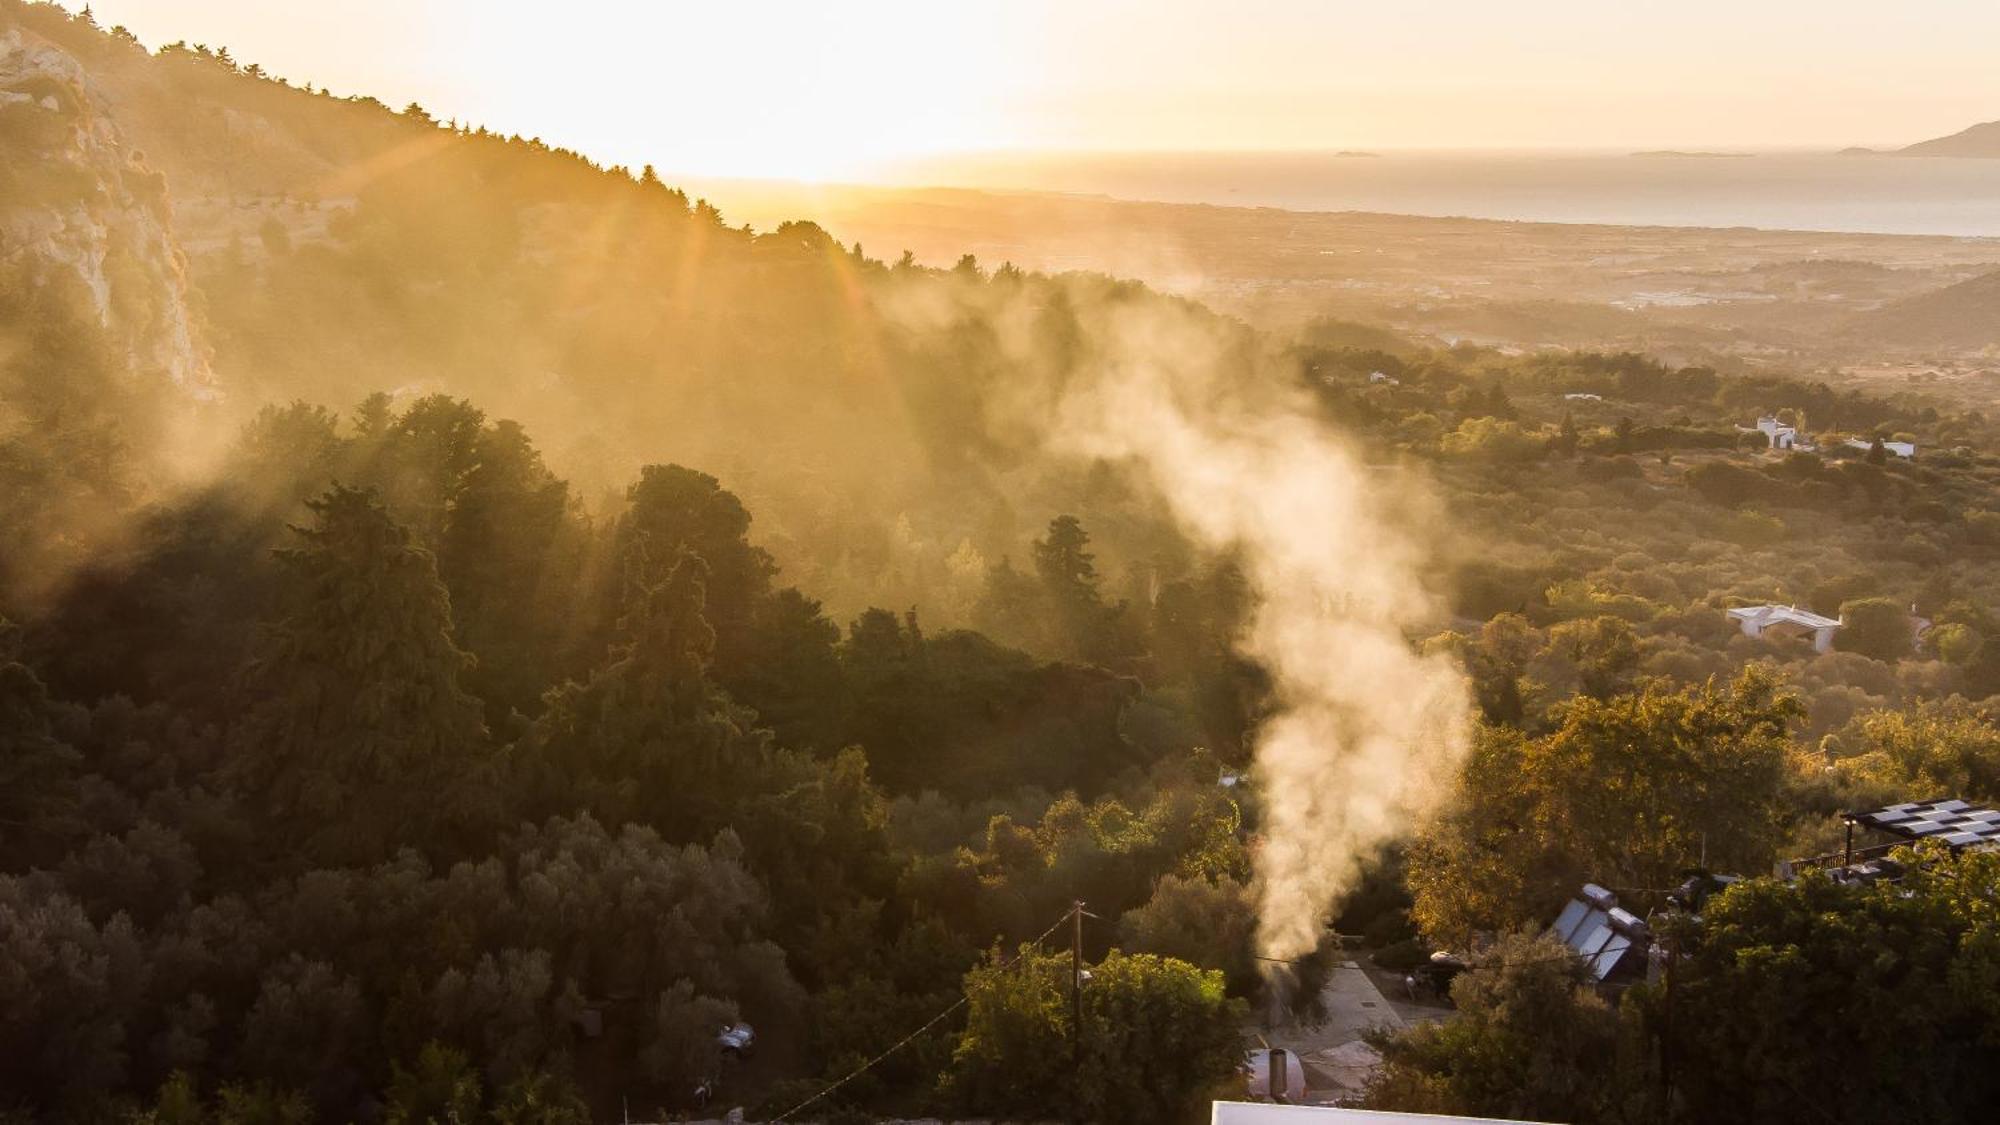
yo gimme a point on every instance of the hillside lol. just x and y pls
(485, 638)
(339, 249)
(1736, 299)
(1965, 315)
(1981, 140)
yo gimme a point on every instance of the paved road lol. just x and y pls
(1337, 1062)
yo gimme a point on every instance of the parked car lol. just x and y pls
(736, 1039)
(1434, 976)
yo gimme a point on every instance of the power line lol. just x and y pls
(927, 1025)
(1474, 962)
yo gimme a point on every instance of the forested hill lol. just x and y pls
(339, 248)
(476, 626)
(359, 761)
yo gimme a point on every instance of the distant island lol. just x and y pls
(1694, 155)
(1356, 152)
(1980, 140)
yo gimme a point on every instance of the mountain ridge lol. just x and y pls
(1981, 140)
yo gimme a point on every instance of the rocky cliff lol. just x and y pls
(80, 209)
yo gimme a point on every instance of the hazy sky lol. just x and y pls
(827, 88)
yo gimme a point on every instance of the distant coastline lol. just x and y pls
(1776, 191)
(1678, 154)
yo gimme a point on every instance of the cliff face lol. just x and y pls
(80, 209)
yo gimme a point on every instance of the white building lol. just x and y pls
(1899, 448)
(1780, 435)
(1786, 621)
(1583, 396)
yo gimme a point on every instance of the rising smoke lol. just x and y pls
(1366, 732)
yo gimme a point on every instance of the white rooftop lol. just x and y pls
(1788, 614)
(1257, 1113)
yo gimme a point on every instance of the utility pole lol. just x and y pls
(1076, 1009)
(1667, 1040)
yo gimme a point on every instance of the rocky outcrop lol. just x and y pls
(80, 209)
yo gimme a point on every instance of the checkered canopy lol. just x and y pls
(1959, 824)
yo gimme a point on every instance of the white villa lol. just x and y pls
(1786, 621)
(1778, 434)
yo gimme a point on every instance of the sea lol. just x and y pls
(1769, 190)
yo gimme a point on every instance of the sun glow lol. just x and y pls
(755, 88)
(791, 89)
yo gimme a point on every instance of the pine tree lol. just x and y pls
(360, 739)
(650, 737)
(1567, 437)
(38, 795)
(674, 510)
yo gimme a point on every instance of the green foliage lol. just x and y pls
(1402, 956)
(1531, 1040)
(76, 432)
(1060, 609)
(1209, 924)
(1874, 627)
(1871, 1003)
(672, 511)
(539, 1099)
(1603, 650)
(481, 750)
(362, 737)
(68, 990)
(261, 1104)
(1937, 747)
(960, 714)
(1491, 439)
(1157, 1035)
(38, 773)
(440, 1089)
(683, 1049)
(1626, 792)
(1956, 643)
(1722, 482)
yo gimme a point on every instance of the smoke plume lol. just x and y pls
(1366, 730)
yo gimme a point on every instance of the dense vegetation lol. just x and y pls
(297, 810)
(375, 764)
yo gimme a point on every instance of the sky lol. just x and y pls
(841, 90)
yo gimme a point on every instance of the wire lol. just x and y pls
(1475, 962)
(961, 1002)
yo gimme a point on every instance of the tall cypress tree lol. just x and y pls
(650, 737)
(358, 738)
